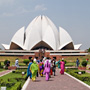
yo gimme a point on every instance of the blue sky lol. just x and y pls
(72, 15)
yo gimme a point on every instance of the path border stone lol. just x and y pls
(26, 84)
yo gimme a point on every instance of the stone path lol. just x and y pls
(58, 82)
(5, 72)
(88, 71)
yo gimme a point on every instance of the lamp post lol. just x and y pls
(22, 74)
(79, 73)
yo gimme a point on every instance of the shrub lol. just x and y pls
(84, 63)
(17, 86)
(26, 61)
(13, 71)
(89, 50)
(65, 61)
(1, 65)
(9, 84)
(80, 77)
(5, 62)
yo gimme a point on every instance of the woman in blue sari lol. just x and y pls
(28, 69)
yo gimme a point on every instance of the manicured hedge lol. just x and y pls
(80, 77)
(11, 82)
(26, 61)
(6, 83)
(68, 65)
(74, 73)
(71, 69)
(17, 86)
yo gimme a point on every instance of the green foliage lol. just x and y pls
(65, 61)
(6, 83)
(5, 62)
(11, 79)
(13, 71)
(83, 77)
(80, 77)
(1, 65)
(26, 61)
(17, 86)
(89, 50)
(84, 63)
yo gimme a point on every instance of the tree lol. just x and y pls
(89, 50)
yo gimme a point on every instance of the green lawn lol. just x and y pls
(1, 69)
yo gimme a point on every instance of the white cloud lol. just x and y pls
(40, 8)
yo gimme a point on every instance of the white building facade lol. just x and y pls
(41, 33)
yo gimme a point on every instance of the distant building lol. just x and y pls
(41, 33)
(42, 39)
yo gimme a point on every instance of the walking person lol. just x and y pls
(62, 65)
(37, 61)
(51, 68)
(28, 69)
(58, 62)
(54, 66)
(77, 62)
(41, 68)
(16, 63)
(34, 69)
(47, 69)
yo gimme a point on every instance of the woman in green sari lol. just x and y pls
(33, 69)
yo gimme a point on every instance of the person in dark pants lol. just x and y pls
(54, 66)
(37, 61)
(77, 62)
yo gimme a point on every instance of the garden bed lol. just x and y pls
(13, 79)
(83, 76)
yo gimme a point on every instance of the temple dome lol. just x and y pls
(41, 33)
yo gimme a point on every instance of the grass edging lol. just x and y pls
(77, 80)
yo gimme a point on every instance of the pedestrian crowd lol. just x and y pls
(44, 66)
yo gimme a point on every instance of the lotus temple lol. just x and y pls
(42, 38)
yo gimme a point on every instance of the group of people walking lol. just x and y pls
(45, 66)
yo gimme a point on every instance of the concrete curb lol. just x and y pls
(78, 80)
(26, 84)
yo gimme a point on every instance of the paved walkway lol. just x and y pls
(58, 82)
(5, 72)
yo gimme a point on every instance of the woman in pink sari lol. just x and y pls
(47, 69)
(62, 65)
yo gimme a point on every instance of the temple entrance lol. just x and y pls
(41, 53)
